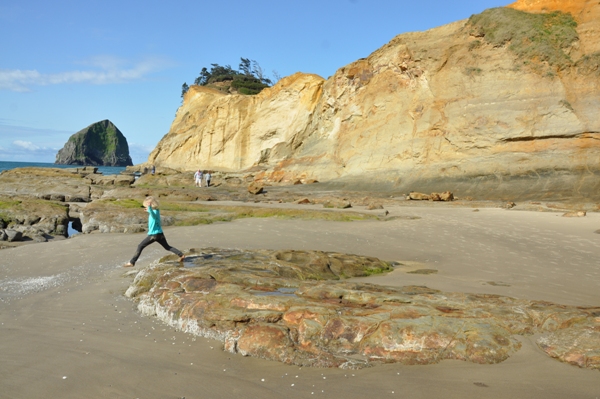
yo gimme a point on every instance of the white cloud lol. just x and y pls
(139, 152)
(34, 145)
(27, 145)
(107, 62)
(27, 152)
(104, 70)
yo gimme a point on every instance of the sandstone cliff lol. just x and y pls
(101, 143)
(459, 107)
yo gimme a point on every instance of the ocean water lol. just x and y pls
(105, 170)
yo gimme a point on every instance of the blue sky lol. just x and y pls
(67, 64)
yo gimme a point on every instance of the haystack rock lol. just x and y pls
(100, 144)
(471, 107)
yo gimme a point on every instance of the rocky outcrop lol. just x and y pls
(453, 108)
(33, 218)
(55, 184)
(34, 201)
(293, 307)
(113, 204)
(101, 143)
(234, 132)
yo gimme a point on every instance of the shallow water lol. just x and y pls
(105, 170)
(23, 286)
(282, 291)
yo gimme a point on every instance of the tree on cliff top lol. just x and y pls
(184, 89)
(248, 79)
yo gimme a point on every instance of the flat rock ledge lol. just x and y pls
(293, 307)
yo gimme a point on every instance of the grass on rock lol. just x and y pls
(216, 213)
(191, 214)
(532, 37)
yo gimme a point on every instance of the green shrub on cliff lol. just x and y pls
(249, 86)
(589, 64)
(249, 79)
(532, 37)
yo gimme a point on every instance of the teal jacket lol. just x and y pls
(154, 221)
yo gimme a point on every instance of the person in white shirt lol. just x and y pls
(198, 178)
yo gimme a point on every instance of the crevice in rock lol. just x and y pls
(548, 137)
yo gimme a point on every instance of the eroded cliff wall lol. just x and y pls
(213, 130)
(443, 109)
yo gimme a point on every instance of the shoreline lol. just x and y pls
(82, 327)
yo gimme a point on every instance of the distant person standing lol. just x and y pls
(155, 233)
(207, 178)
(198, 178)
(153, 170)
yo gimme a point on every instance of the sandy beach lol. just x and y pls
(67, 331)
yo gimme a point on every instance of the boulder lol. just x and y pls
(418, 196)
(435, 197)
(445, 196)
(337, 203)
(13, 235)
(86, 170)
(112, 180)
(574, 214)
(39, 238)
(255, 188)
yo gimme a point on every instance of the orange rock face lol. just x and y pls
(585, 12)
(575, 7)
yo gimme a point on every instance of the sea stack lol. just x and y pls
(100, 144)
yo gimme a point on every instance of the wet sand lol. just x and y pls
(67, 331)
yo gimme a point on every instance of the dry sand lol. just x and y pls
(67, 331)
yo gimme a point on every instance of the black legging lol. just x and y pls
(159, 238)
